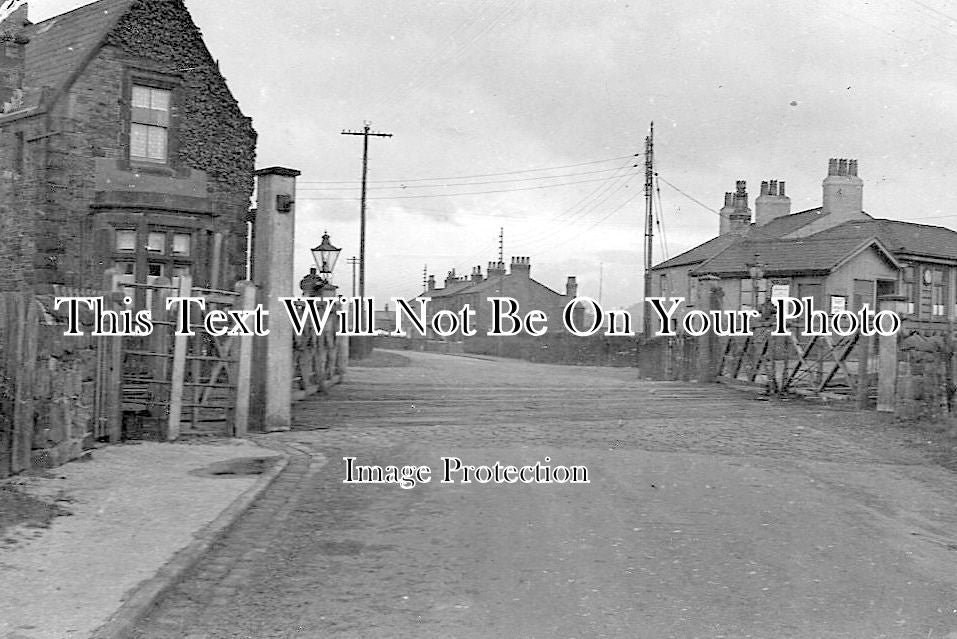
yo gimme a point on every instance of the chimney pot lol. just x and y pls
(781, 188)
(764, 188)
(852, 167)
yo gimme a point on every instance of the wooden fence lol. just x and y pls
(60, 393)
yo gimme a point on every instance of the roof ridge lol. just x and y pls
(80, 8)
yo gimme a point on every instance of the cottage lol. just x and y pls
(120, 146)
(836, 254)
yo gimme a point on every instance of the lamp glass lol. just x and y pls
(325, 255)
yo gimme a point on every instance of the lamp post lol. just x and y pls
(325, 255)
(757, 272)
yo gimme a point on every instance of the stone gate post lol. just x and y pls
(273, 236)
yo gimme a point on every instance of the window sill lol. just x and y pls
(151, 168)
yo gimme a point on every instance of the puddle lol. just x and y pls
(240, 467)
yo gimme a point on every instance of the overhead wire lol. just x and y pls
(405, 186)
(465, 177)
(431, 195)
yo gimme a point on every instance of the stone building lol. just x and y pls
(120, 146)
(836, 254)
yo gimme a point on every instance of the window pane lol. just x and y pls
(156, 243)
(159, 99)
(138, 136)
(125, 268)
(156, 269)
(141, 97)
(157, 144)
(181, 244)
(126, 240)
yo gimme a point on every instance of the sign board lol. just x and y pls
(780, 290)
(838, 303)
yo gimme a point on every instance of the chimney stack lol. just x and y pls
(431, 284)
(521, 266)
(735, 214)
(571, 287)
(495, 269)
(843, 191)
(772, 203)
(725, 213)
(477, 273)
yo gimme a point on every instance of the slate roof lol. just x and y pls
(451, 288)
(900, 237)
(60, 46)
(699, 253)
(813, 255)
(488, 284)
(786, 224)
(780, 227)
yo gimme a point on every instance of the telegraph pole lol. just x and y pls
(365, 133)
(353, 260)
(649, 213)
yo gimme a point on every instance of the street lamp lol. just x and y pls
(757, 272)
(325, 256)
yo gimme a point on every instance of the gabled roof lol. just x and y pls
(699, 253)
(779, 227)
(451, 288)
(806, 256)
(906, 238)
(58, 48)
(468, 287)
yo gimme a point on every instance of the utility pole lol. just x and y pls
(649, 213)
(353, 260)
(601, 278)
(365, 133)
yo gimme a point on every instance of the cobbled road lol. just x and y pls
(709, 513)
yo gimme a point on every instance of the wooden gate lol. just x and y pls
(796, 364)
(178, 384)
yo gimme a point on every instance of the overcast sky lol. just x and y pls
(525, 114)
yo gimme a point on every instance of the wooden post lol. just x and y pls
(180, 344)
(888, 354)
(863, 376)
(7, 363)
(112, 378)
(244, 366)
(26, 350)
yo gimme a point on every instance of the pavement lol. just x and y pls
(139, 515)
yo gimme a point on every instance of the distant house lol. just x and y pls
(121, 147)
(517, 284)
(836, 254)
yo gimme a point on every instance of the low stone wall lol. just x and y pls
(47, 385)
(925, 384)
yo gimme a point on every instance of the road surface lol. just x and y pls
(708, 513)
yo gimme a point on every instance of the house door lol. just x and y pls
(863, 294)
